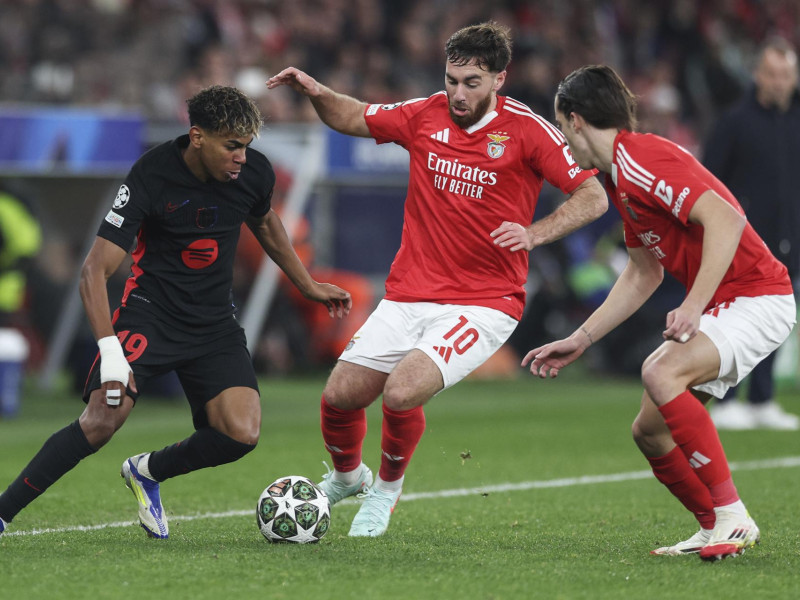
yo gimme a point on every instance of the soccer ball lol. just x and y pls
(293, 509)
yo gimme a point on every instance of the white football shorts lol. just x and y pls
(457, 338)
(745, 331)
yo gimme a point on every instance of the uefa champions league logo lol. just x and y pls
(123, 195)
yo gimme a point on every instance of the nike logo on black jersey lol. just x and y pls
(173, 207)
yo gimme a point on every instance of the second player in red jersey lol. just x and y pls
(738, 308)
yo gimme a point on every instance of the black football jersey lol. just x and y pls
(185, 232)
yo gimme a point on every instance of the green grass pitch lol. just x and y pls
(509, 495)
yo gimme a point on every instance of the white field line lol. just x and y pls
(753, 465)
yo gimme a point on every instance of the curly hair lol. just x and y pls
(224, 110)
(488, 44)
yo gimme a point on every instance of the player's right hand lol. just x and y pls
(114, 391)
(115, 371)
(551, 358)
(295, 78)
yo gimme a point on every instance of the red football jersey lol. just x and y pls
(654, 184)
(463, 184)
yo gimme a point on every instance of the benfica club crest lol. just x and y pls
(496, 147)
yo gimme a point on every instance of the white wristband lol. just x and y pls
(113, 366)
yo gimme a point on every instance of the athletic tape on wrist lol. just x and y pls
(113, 366)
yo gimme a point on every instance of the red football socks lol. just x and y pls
(695, 434)
(402, 431)
(343, 432)
(675, 472)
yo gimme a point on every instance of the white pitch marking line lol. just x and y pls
(771, 463)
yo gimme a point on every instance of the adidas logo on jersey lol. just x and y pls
(442, 136)
(444, 351)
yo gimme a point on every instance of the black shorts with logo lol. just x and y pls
(206, 360)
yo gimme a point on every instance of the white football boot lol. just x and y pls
(690, 546)
(336, 490)
(372, 519)
(733, 533)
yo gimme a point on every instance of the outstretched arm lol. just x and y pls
(270, 233)
(637, 282)
(337, 111)
(587, 203)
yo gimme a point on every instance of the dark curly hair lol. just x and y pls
(224, 110)
(489, 44)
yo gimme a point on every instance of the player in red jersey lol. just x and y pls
(455, 290)
(738, 308)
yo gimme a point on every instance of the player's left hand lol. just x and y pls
(514, 235)
(683, 323)
(337, 300)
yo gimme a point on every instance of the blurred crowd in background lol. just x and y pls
(687, 60)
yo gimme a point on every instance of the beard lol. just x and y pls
(473, 116)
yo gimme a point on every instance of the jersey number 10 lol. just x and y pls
(467, 338)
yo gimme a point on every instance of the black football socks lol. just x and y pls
(59, 454)
(206, 447)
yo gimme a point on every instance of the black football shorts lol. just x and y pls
(207, 361)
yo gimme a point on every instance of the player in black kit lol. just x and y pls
(181, 208)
